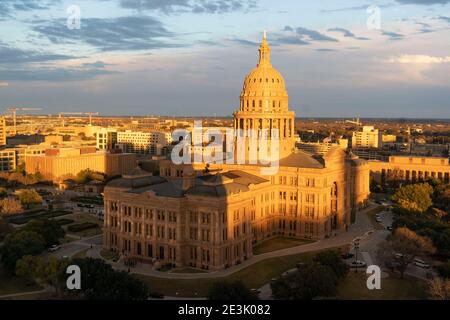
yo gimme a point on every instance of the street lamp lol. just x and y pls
(356, 244)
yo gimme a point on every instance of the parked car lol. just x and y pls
(357, 264)
(378, 219)
(347, 255)
(421, 264)
(389, 228)
(398, 255)
(53, 248)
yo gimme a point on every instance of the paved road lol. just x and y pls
(71, 248)
(369, 248)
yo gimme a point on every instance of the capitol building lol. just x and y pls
(211, 217)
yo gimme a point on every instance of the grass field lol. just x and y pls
(278, 244)
(11, 284)
(392, 288)
(108, 254)
(81, 217)
(254, 276)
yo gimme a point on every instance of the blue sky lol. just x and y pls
(190, 57)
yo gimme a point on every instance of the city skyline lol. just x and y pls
(188, 58)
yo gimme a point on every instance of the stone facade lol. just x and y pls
(211, 217)
(410, 168)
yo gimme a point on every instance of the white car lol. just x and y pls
(398, 255)
(421, 264)
(54, 248)
(378, 219)
(357, 264)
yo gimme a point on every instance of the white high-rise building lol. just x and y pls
(369, 137)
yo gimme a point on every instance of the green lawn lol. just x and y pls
(254, 276)
(81, 217)
(188, 270)
(108, 254)
(278, 244)
(392, 288)
(11, 284)
(371, 214)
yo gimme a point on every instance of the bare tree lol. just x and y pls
(439, 289)
(402, 247)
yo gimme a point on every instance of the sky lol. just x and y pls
(190, 57)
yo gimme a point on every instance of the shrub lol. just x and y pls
(82, 226)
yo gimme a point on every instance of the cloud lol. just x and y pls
(354, 8)
(393, 35)
(3, 84)
(347, 33)
(123, 33)
(313, 35)
(423, 2)
(96, 64)
(444, 18)
(302, 36)
(290, 40)
(8, 7)
(357, 8)
(418, 59)
(245, 42)
(425, 27)
(194, 6)
(18, 56)
(325, 50)
(56, 74)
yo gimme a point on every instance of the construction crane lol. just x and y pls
(61, 115)
(14, 110)
(90, 114)
(354, 121)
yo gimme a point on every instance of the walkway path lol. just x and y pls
(20, 294)
(359, 229)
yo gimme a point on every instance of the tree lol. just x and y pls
(375, 187)
(29, 197)
(439, 289)
(5, 228)
(100, 282)
(50, 230)
(223, 290)
(444, 270)
(10, 206)
(45, 272)
(19, 244)
(332, 259)
(3, 193)
(414, 197)
(403, 246)
(28, 267)
(310, 281)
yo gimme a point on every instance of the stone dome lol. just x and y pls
(264, 87)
